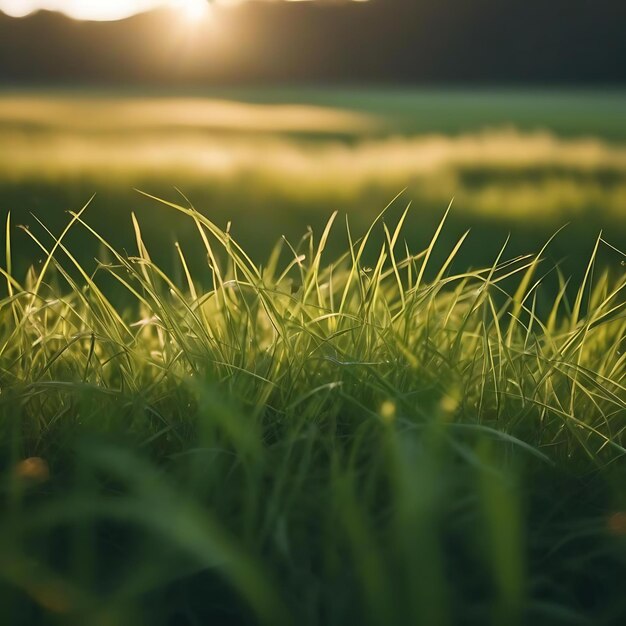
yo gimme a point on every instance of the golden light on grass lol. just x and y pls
(487, 174)
(303, 152)
(92, 117)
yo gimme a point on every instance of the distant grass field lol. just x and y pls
(368, 438)
(277, 160)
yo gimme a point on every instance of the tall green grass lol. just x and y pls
(364, 439)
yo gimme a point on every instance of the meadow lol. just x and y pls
(380, 420)
(515, 162)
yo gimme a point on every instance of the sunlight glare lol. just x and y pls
(190, 10)
(195, 10)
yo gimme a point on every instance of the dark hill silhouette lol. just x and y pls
(390, 41)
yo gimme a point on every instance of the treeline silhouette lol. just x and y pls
(380, 41)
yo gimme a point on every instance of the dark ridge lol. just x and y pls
(382, 41)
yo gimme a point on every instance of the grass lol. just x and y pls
(514, 160)
(370, 438)
(567, 112)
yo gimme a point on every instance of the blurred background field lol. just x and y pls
(274, 161)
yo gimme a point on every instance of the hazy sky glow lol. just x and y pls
(107, 9)
(99, 9)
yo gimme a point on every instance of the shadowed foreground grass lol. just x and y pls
(310, 441)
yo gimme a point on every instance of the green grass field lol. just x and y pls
(276, 161)
(311, 441)
(379, 420)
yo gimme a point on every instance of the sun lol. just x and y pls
(195, 10)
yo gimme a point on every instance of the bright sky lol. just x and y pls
(110, 9)
(104, 9)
